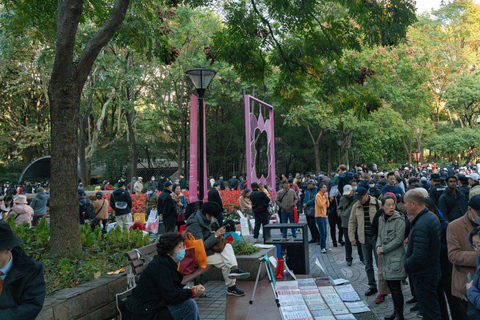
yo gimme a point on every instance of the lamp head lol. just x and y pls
(201, 78)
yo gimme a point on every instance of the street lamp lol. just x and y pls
(201, 78)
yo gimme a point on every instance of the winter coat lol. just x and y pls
(473, 294)
(233, 184)
(21, 213)
(101, 208)
(321, 205)
(221, 183)
(396, 190)
(151, 201)
(474, 190)
(39, 204)
(180, 199)
(159, 286)
(260, 201)
(423, 251)
(138, 187)
(344, 209)
(391, 234)
(435, 192)
(286, 201)
(199, 226)
(214, 196)
(381, 183)
(356, 221)
(465, 190)
(343, 180)
(121, 194)
(245, 203)
(452, 206)
(183, 184)
(152, 184)
(309, 198)
(460, 254)
(166, 205)
(374, 192)
(23, 291)
(132, 186)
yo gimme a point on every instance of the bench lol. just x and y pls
(139, 259)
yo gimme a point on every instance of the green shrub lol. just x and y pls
(100, 253)
(244, 247)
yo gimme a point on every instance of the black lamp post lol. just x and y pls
(201, 78)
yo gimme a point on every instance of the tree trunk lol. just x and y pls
(316, 148)
(82, 144)
(329, 160)
(66, 83)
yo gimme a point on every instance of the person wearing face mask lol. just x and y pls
(199, 225)
(159, 293)
(460, 252)
(373, 190)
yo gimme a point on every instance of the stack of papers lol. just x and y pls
(357, 307)
(347, 293)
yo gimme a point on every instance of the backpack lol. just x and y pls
(86, 208)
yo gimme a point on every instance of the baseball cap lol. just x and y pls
(311, 182)
(474, 203)
(167, 184)
(360, 192)
(475, 176)
(347, 189)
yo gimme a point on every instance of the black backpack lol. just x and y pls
(87, 210)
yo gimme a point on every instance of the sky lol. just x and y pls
(427, 5)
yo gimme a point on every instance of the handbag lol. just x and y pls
(220, 245)
(187, 265)
(295, 215)
(310, 211)
(120, 204)
(200, 253)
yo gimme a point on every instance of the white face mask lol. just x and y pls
(371, 185)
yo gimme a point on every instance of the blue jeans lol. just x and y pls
(322, 227)
(186, 310)
(284, 219)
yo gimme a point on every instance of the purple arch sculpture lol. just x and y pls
(252, 123)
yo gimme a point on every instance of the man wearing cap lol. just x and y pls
(461, 253)
(22, 286)
(474, 185)
(309, 210)
(344, 210)
(437, 189)
(214, 196)
(121, 202)
(166, 207)
(360, 220)
(422, 261)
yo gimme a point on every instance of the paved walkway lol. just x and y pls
(213, 305)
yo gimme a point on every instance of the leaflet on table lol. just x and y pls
(298, 307)
(309, 291)
(357, 307)
(314, 305)
(322, 313)
(297, 315)
(348, 316)
(306, 282)
(315, 296)
(284, 303)
(288, 292)
(338, 308)
(325, 290)
(331, 298)
(286, 285)
(291, 297)
(347, 293)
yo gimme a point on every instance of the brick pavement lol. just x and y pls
(213, 305)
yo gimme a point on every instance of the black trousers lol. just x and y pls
(444, 293)
(426, 292)
(169, 224)
(335, 222)
(261, 218)
(313, 228)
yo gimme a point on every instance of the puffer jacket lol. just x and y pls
(39, 204)
(452, 206)
(391, 233)
(151, 201)
(121, 194)
(260, 201)
(345, 209)
(423, 251)
(321, 205)
(309, 198)
(22, 213)
(199, 226)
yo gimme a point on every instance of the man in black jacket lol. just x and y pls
(437, 189)
(214, 196)
(260, 203)
(121, 202)
(23, 290)
(233, 183)
(423, 254)
(452, 203)
(166, 207)
(221, 183)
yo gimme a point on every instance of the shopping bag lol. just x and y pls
(187, 265)
(139, 217)
(200, 253)
(280, 265)
(295, 215)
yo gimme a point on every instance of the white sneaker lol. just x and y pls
(324, 251)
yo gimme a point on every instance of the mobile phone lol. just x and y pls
(469, 277)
